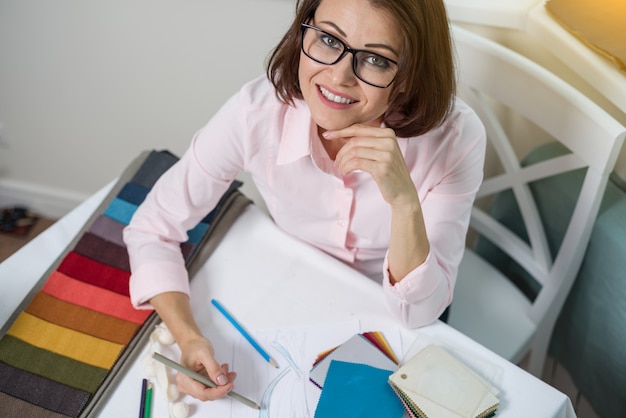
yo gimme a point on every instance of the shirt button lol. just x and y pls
(341, 223)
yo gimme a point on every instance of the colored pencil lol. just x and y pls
(142, 405)
(202, 379)
(148, 405)
(243, 332)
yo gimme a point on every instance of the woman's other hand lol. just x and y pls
(375, 150)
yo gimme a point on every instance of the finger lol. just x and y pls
(363, 159)
(230, 375)
(377, 141)
(199, 391)
(364, 155)
(210, 367)
(359, 130)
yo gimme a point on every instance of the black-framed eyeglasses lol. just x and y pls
(370, 67)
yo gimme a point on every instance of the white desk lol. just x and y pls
(275, 282)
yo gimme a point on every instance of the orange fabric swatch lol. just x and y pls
(92, 297)
(66, 342)
(81, 319)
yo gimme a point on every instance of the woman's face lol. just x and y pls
(335, 96)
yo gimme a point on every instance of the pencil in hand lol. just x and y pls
(245, 333)
(202, 379)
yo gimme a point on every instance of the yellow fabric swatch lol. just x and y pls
(380, 337)
(65, 342)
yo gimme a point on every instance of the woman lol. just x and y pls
(358, 146)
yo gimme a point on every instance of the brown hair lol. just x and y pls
(423, 91)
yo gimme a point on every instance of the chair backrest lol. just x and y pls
(493, 78)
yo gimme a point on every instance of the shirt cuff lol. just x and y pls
(414, 286)
(155, 278)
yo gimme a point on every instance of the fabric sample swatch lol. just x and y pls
(357, 349)
(40, 391)
(120, 210)
(89, 296)
(81, 319)
(108, 229)
(93, 272)
(47, 364)
(133, 193)
(105, 252)
(14, 407)
(63, 341)
(357, 390)
(155, 164)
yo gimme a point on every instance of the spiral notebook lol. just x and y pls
(434, 384)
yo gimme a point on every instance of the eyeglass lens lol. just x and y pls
(326, 49)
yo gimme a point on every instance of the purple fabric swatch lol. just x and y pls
(108, 229)
(106, 252)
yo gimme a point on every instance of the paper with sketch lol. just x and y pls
(281, 392)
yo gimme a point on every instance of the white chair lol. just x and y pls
(486, 305)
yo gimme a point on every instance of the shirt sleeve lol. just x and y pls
(177, 202)
(422, 296)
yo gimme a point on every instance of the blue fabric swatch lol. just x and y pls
(120, 210)
(357, 390)
(133, 193)
(196, 234)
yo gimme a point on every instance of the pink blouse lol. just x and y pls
(344, 216)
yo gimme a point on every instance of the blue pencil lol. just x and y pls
(243, 332)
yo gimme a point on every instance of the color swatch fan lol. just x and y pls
(353, 378)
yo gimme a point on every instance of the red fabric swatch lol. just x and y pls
(90, 271)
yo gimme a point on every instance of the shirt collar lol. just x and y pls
(295, 141)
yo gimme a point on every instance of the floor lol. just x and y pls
(10, 243)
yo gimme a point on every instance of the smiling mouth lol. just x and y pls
(334, 98)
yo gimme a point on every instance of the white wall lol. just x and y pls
(85, 86)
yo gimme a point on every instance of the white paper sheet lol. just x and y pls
(282, 392)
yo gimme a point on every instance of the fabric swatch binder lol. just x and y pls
(434, 384)
(68, 342)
